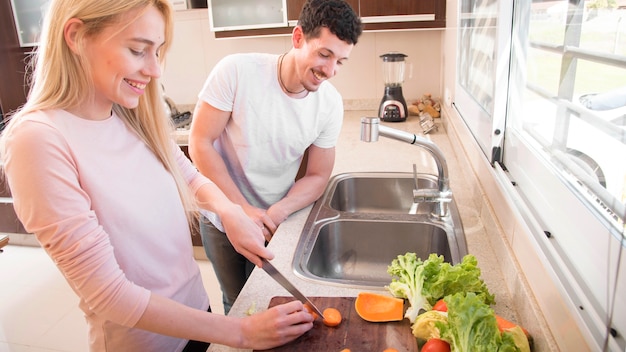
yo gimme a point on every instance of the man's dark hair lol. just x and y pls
(336, 15)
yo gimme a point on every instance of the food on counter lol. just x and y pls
(332, 317)
(505, 325)
(375, 307)
(425, 328)
(472, 326)
(311, 311)
(423, 283)
(456, 305)
(425, 104)
(252, 309)
(440, 306)
(435, 345)
(413, 110)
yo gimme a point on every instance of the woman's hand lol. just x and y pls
(246, 236)
(276, 326)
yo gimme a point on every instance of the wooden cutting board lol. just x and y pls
(354, 333)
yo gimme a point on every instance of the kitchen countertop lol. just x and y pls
(352, 155)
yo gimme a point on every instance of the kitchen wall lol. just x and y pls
(195, 51)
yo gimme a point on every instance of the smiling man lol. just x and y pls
(256, 116)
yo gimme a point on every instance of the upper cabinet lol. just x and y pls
(14, 55)
(227, 15)
(28, 15)
(402, 14)
(375, 14)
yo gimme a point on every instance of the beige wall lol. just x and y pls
(195, 51)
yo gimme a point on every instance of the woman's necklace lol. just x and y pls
(280, 80)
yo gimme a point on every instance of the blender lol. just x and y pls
(393, 106)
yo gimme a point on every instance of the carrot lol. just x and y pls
(345, 350)
(311, 311)
(332, 317)
(390, 350)
(504, 325)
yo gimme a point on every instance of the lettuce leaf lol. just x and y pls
(424, 327)
(423, 283)
(472, 326)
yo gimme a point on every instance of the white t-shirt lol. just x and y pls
(268, 133)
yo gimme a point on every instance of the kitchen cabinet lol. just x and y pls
(375, 14)
(227, 15)
(402, 14)
(13, 58)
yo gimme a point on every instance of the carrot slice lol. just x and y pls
(311, 311)
(379, 308)
(332, 317)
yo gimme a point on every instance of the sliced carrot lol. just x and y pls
(375, 307)
(311, 311)
(390, 350)
(345, 350)
(332, 317)
(504, 325)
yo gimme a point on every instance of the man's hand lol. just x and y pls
(246, 236)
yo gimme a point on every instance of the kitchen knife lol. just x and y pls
(282, 280)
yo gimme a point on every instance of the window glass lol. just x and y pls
(574, 104)
(565, 147)
(482, 70)
(561, 72)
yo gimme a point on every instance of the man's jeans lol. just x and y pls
(231, 268)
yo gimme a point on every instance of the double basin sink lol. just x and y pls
(365, 220)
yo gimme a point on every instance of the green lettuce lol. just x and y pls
(472, 326)
(424, 327)
(423, 283)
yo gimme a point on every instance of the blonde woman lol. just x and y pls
(96, 177)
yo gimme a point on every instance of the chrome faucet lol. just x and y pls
(371, 129)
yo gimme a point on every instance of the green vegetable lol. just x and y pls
(519, 338)
(425, 282)
(424, 327)
(472, 326)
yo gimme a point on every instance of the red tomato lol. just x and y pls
(441, 306)
(436, 345)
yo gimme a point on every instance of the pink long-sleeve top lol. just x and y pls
(110, 216)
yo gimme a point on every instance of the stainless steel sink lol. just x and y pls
(378, 193)
(362, 222)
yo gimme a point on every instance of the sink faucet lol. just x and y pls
(371, 129)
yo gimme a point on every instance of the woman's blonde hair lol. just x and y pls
(60, 79)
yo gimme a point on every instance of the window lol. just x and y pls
(550, 91)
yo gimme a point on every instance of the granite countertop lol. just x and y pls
(352, 155)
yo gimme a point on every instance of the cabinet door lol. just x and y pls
(246, 14)
(295, 6)
(396, 7)
(28, 16)
(293, 9)
(13, 58)
(402, 14)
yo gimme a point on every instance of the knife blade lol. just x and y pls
(282, 280)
